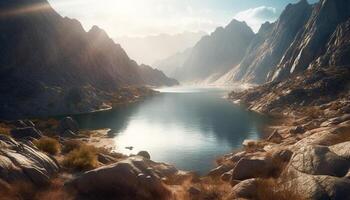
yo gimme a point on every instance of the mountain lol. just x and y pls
(215, 54)
(156, 77)
(269, 45)
(311, 42)
(303, 37)
(158, 47)
(172, 64)
(44, 56)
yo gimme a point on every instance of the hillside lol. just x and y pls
(45, 56)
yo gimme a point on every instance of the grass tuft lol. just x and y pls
(48, 145)
(81, 158)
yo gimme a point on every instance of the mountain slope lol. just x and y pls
(158, 47)
(44, 56)
(269, 45)
(172, 64)
(311, 42)
(217, 53)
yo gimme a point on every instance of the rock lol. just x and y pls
(193, 191)
(245, 189)
(68, 134)
(336, 120)
(297, 130)
(218, 171)
(305, 186)
(68, 123)
(247, 168)
(23, 123)
(283, 155)
(105, 159)
(275, 137)
(144, 154)
(26, 132)
(319, 160)
(341, 149)
(20, 162)
(226, 177)
(133, 178)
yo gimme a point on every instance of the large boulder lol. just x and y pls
(319, 160)
(305, 186)
(68, 124)
(341, 149)
(246, 189)
(26, 132)
(248, 168)
(133, 178)
(24, 123)
(218, 171)
(23, 162)
(144, 154)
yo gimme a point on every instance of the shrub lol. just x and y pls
(82, 158)
(48, 145)
(71, 145)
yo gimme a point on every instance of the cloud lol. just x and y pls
(254, 17)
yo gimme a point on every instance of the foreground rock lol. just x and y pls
(23, 162)
(134, 178)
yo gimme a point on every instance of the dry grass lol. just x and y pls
(313, 112)
(81, 158)
(48, 145)
(274, 189)
(27, 191)
(5, 131)
(71, 145)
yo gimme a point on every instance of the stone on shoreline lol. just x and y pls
(68, 123)
(27, 132)
(144, 154)
(22, 162)
(133, 178)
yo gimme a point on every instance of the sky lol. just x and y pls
(152, 17)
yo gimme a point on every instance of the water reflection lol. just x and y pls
(188, 129)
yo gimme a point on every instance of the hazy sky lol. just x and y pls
(150, 17)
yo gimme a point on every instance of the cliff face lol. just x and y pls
(304, 36)
(269, 45)
(311, 42)
(217, 53)
(45, 55)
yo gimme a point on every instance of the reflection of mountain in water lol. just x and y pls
(185, 129)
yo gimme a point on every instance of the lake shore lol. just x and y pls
(270, 166)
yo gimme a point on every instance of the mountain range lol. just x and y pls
(304, 36)
(158, 47)
(45, 56)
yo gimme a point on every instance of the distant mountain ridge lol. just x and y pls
(299, 40)
(150, 49)
(214, 54)
(43, 55)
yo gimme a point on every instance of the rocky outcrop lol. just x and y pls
(50, 65)
(311, 42)
(133, 178)
(24, 162)
(215, 54)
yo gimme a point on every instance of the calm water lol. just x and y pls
(187, 127)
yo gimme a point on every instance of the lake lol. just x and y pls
(186, 126)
